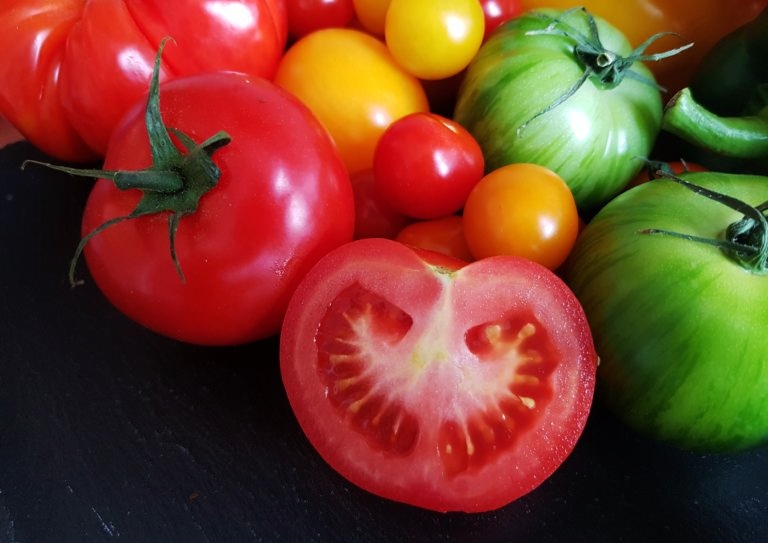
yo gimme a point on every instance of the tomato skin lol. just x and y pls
(372, 14)
(283, 200)
(352, 84)
(425, 165)
(497, 12)
(521, 209)
(702, 22)
(83, 64)
(444, 235)
(681, 335)
(592, 140)
(434, 39)
(374, 217)
(413, 306)
(305, 16)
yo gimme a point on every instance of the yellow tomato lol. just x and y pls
(354, 87)
(702, 22)
(434, 39)
(371, 14)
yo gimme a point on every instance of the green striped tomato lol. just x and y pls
(589, 138)
(679, 325)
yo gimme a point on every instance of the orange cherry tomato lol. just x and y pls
(521, 209)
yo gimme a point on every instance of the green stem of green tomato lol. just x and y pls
(738, 137)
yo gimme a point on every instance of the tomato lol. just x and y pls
(372, 14)
(515, 101)
(497, 12)
(444, 387)
(8, 134)
(283, 199)
(679, 324)
(354, 87)
(701, 22)
(305, 16)
(434, 39)
(425, 165)
(374, 217)
(652, 168)
(72, 68)
(444, 235)
(522, 209)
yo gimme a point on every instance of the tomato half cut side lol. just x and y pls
(444, 385)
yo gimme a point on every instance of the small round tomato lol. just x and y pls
(447, 386)
(425, 165)
(497, 12)
(434, 39)
(444, 235)
(522, 209)
(372, 15)
(305, 16)
(374, 217)
(354, 87)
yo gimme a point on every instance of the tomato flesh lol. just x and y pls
(448, 387)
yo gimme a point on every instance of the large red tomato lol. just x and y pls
(282, 200)
(434, 383)
(71, 68)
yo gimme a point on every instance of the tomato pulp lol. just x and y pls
(434, 383)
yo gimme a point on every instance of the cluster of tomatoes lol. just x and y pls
(297, 169)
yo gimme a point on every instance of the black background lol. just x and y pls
(109, 432)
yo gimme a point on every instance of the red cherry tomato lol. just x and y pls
(498, 12)
(305, 16)
(442, 386)
(444, 235)
(282, 201)
(425, 165)
(374, 217)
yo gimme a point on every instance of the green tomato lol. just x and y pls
(515, 100)
(679, 324)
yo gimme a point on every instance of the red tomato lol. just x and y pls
(445, 387)
(374, 217)
(282, 201)
(498, 12)
(71, 68)
(444, 235)
(305, 16)
(522, 209)
(425, 165)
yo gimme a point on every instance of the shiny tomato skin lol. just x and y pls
(283, 200)
(434, 39)
(521, 209)
(425, 165)
(75, 67)
(444, 235)
(497, 12)
(305, 16)
(372, 15)
(396, 368)
(701, 22)
(352, 84)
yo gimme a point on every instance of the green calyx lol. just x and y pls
(605, 68)
(174, 183)
(745, 241)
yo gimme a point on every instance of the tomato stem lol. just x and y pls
(605, 68)
(174, 183)
(745, 240)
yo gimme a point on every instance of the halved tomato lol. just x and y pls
(447, 386)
